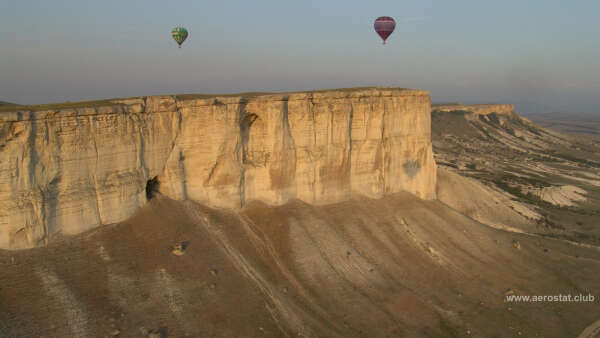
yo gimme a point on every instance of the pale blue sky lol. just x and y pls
(541, 55)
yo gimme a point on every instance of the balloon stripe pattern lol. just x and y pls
(179, 35)
(384, 26)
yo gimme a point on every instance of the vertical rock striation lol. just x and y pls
(70, 170)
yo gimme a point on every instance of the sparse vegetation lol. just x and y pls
(510, 131)
(255, 94)
(516, 190)
(576, 159)
(460, 112)
(546, 222)
(183, 97)
(526, 126)
(490, 119)
(3, 103)
(483, 130)
(8, 107)
(445, 104)
(61, 105)
(575, 237)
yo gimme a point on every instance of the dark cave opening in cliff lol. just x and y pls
(152, 187)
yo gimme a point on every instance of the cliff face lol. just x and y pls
(479, 109)
(67, 171)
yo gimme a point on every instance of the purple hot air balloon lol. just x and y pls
(384, 26)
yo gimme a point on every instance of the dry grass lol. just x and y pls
(60, 105)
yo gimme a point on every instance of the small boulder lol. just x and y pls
(516, 244)
(179, 249)
(162, 332)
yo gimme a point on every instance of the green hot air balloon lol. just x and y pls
(179, 34)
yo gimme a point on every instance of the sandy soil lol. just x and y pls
(565, 195)
(484, 203)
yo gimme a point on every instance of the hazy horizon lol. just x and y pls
(542, 56)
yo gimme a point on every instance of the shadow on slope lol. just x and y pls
(397, 266)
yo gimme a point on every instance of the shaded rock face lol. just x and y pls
(68, 171)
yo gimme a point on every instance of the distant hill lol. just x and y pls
(572, 123)
(552, 174)
(434, 104)
(2, 103)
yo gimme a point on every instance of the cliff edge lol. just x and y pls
(478, 109)
(65, 171)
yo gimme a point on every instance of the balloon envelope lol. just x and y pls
(384, 26)
(179, 35)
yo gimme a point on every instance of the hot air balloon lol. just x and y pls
(384, 26)
(179, 34)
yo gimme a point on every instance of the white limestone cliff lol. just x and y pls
(66, 171)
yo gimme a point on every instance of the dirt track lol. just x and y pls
(592, 331)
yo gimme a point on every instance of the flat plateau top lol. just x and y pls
(225, 98)
(459, 105)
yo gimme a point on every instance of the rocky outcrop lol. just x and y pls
(479, 109)
(70, 170)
